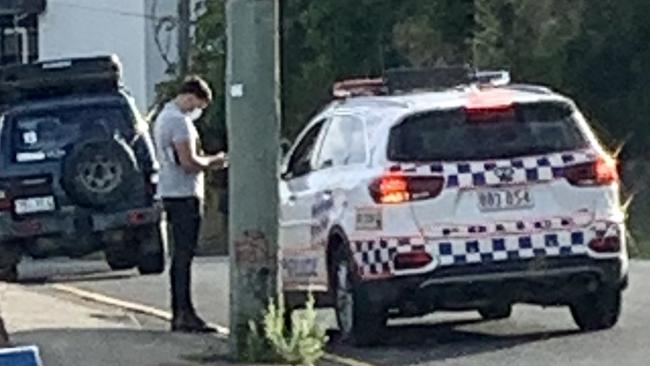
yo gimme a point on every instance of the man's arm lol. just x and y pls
(191, 162)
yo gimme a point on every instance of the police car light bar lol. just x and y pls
(492, 78)
(359, 87)
(407, 80)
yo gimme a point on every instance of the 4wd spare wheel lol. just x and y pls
(100, 172)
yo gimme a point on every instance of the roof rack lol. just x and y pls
(407, 80)
(60, 77)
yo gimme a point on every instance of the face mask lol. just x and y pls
(195, 114)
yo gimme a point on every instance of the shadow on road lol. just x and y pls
(122, 347)
(414, 344)
(110, 347)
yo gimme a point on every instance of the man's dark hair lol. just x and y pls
(198, 87)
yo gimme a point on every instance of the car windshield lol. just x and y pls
(46, 130)
(457, 135)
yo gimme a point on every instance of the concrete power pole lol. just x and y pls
(253, 119)
(184, 17)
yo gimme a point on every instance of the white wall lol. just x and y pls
(156, 66)
(71, 28)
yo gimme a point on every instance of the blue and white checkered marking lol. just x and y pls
(500, 228)
(478, 174)
(509, 248)
(375, 258)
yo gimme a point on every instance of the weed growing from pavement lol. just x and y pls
(303, 344)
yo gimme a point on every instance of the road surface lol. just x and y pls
(532, 336)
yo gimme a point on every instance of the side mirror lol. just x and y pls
(285, 146)
(327, 164)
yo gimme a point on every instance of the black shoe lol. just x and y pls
(191, 324)
(187, 328)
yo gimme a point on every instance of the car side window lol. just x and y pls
(344, 143)
(300, 160)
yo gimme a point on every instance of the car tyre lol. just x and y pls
(151, 256)
(361, 321)
(598, 310)
(9, 273)
(121, 257)
(496, 311)
(10, 256)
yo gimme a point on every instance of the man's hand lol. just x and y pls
(219, 161)
(194, 163)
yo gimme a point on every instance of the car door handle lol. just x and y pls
(292, 199)
(327, 194)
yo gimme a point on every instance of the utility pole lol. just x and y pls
(253, 119)
(184, 17)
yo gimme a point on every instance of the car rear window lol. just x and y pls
(47, 131)
(457, 135)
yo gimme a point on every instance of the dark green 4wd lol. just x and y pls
(77, 167)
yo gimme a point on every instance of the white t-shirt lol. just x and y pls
(174, 126)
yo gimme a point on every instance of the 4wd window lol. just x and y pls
(46, 133)
(454, 135)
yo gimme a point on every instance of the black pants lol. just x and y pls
(184, 218)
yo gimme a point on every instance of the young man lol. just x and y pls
(181, 189)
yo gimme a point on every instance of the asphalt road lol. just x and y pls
(532, 336)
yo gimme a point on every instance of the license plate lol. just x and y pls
(505, 199)
(24, 206)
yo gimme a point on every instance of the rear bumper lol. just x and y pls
(377, 258)
(71, 222)
(551, 281)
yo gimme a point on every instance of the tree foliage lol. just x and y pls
(594, 51)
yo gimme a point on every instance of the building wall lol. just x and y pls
(70, 28)
(161, 42)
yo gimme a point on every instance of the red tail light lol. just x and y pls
(151, 183)
(412, 260)
(5, 201)
(610, 244)
(603, 171)
(136, 217)
(395, 188)
(491, 105)
(489, 114)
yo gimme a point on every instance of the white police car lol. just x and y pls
(397, 201)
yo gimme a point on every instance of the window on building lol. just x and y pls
(18, 39)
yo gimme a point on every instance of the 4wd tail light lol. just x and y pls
(603, 171)
(396, 188)
(5, 201)
(151, 183)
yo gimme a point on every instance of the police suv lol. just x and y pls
(450, 189)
